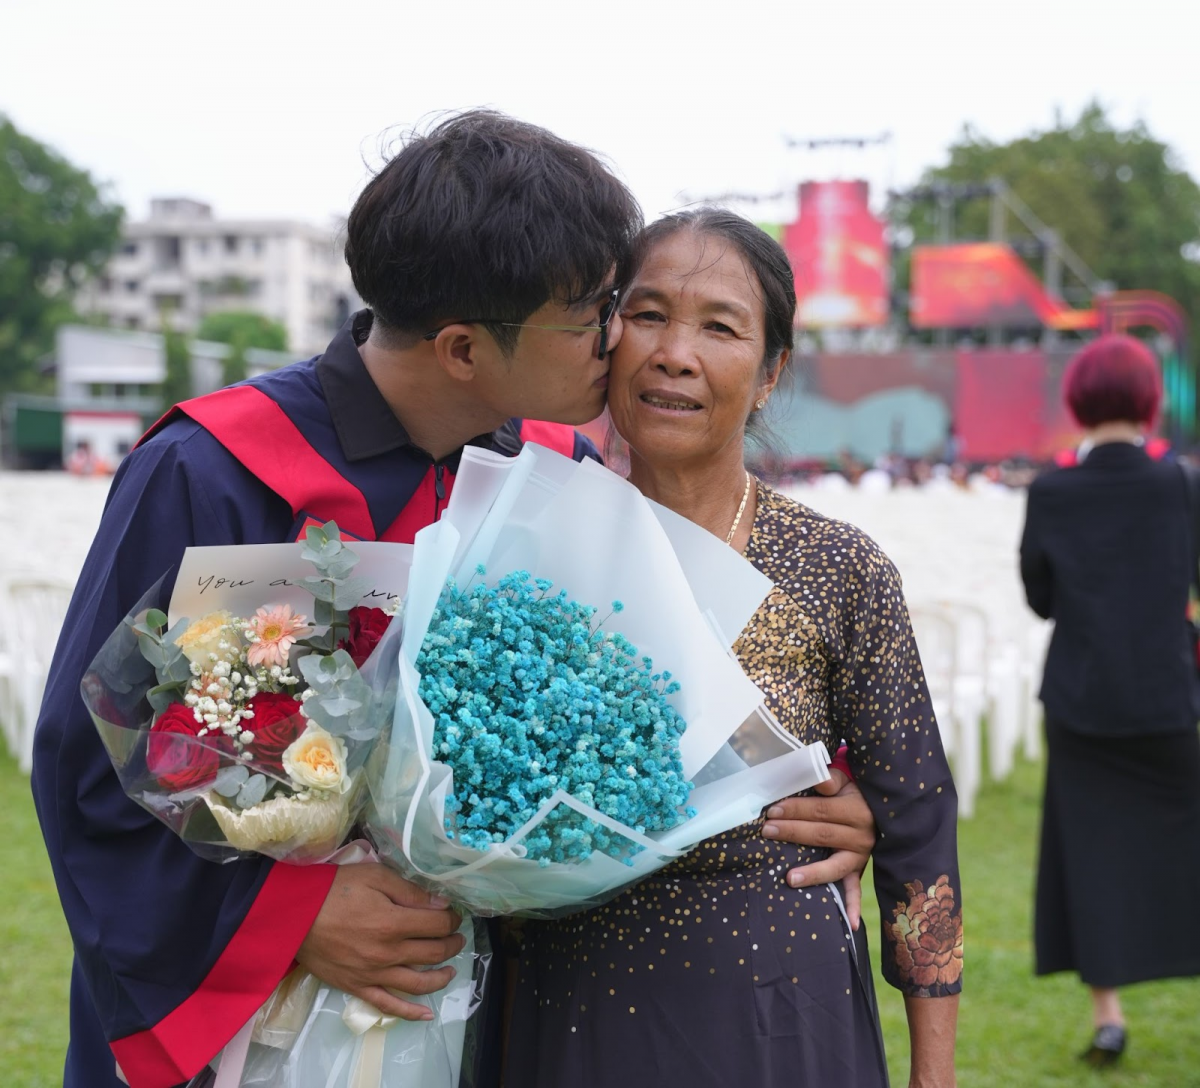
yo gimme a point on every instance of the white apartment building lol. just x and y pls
(108, 384)
(184, 260)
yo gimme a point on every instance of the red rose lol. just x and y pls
(176, 756)
(367, 626)
(276, 723)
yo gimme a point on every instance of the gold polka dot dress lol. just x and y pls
(714, 971)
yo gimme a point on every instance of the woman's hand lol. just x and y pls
(376, 934)
(839, 820)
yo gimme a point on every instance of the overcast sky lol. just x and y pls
(273, 109)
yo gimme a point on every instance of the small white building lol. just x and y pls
(108, 385)
(184, 261)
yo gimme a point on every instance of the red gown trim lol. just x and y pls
(252, 964)
(257, 431)
(554, 436)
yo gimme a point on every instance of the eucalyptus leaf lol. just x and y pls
(177, 629)
(178, 668)
(349, 593)
(338, 705)
(320, 645)
(338, 566)
(162, 697)
(230, 780)
(320, 588)
(156, 619)
(200, 825)
(252, 792)
(318, 670)
(316, 536)
(153, 651)
(323, 612)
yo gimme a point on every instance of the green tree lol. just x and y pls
(177, 378)
(1117, 196)
(233, 366)
(241, 329)
(57, 229)
(252, 329)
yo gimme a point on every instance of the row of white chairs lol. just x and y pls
(981, 669)
(32, 609)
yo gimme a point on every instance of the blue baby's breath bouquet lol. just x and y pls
(530, 696)
(544, 754)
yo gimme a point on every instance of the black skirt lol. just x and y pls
(1118, 881)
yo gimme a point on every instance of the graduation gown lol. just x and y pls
(173, 953)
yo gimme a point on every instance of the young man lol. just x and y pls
(488, 252)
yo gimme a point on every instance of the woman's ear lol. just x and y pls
(768, 386)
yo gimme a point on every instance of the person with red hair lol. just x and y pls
(1109, 553)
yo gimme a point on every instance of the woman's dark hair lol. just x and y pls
(1114, 379)
(486, 216)
(764, 256)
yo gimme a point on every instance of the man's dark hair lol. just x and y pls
(486, 216)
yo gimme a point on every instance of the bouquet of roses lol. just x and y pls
(247, 731)
(242, 720)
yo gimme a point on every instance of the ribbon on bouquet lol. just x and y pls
(361, 1017)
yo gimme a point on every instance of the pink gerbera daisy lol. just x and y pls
(275, 630)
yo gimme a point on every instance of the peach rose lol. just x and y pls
(211, 637)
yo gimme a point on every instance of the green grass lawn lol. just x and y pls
(1014, 1030)
(35, 964)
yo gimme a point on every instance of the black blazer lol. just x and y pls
(1107, 554)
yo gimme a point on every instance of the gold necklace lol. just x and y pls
(741, 508)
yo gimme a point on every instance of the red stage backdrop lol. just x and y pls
(982, 284)
(838, 256)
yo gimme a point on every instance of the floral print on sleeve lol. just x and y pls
(927, 937)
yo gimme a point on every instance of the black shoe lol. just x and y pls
(1108, 1044)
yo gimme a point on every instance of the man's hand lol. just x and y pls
(839, 820)
(373, 931)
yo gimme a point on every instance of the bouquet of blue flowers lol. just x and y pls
(543, 756)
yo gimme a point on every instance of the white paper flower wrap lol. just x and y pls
(686, 597)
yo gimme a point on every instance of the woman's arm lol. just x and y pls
(882, 702)
(932, 1024)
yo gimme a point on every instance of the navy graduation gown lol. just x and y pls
(173, 953)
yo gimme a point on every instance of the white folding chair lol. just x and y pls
(36, 607)
(1035, 643)
(938, 644)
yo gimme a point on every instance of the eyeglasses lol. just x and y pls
(606, 315)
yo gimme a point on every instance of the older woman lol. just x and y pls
(1109, 553)
(718, 970)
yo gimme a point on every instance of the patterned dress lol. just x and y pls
(714, 971)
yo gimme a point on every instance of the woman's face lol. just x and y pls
(688, 369)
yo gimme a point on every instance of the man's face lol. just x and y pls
(553, 374)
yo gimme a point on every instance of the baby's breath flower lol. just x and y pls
(528, 697)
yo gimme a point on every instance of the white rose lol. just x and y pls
(317, 760)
